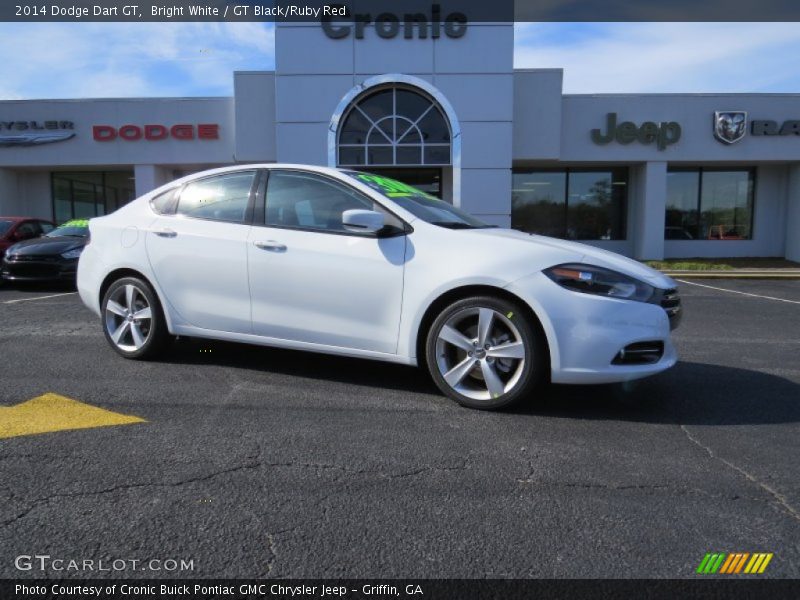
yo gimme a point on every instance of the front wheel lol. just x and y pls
(132, 319)
(485, 353)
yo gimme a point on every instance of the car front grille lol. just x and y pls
(31, 266)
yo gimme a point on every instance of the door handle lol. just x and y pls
(167, 233)
(270, 246)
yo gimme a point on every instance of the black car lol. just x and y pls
(52, 257)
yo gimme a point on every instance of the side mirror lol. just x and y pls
(363, 221)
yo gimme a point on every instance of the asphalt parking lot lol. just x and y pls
(254, 462)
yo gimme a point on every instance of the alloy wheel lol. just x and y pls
(480, 353)
(128, 318)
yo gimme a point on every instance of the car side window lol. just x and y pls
(164, 203)
(221, 198)
(310, 201)
(46, 227)
(27, 231)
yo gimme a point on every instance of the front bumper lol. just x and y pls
(586, 333)
(40, 268)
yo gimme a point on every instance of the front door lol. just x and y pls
(312, 281)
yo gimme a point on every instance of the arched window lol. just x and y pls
(394, 125)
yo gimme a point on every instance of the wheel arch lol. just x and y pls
(469, 291)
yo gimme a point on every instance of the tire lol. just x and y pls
(475, 376)
(141, 338)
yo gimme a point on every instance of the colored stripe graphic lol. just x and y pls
(703, 563)
(734, 563)
(764, 564)
(754, 563)
(734, 558)
(740, 564)
(728, 563)
(714, 563)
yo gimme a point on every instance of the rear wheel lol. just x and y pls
(132, 319)
(485, 353)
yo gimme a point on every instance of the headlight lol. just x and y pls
(72, 253)
(599, 281)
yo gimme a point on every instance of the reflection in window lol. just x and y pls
(709, 204)
(87, 194)
(221, 198)
(309, 201)
(572, 204)
(394, 126)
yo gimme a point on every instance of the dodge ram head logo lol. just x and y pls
(730, 126)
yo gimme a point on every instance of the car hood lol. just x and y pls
(583, 253)
(46, 246)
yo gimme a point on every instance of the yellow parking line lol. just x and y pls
(52, 412)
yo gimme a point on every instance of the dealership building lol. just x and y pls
(438, 104)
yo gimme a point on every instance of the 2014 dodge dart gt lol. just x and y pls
(356, 264)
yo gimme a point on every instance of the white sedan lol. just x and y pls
(356, 264)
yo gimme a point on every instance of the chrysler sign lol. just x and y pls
(35, 133)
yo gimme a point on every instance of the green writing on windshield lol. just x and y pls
(77, 223)
(391, 187)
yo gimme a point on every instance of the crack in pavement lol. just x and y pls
(779, 498)
(124, 486)
(273, 555)
(247, 466)
(602, 486)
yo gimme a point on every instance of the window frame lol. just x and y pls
(260, 212)
(567, 171)
(752, 180)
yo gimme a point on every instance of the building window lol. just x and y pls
(576, 204)
(83, 195)
(709, 204)
(394, 126)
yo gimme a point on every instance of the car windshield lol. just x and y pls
(424, 206)
(74, 228)
(5, 226)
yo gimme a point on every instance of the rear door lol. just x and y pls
(199, 254)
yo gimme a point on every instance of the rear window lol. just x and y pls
(5, 226)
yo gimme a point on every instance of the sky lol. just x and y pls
(102, 60)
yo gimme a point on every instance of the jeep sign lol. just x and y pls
(663, 134)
